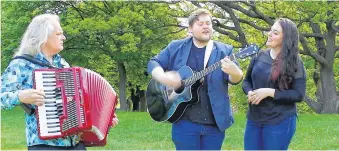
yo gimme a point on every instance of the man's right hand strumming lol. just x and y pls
(174, 79)
(31, 96)
(170, 78)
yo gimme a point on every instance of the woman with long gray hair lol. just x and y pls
(43, 40)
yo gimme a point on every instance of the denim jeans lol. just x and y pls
(187, 135)
(268, 136)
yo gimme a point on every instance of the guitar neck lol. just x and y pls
(199, 75)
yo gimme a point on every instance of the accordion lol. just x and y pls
(77, 100)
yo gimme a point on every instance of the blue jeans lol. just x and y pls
(187, 135)
(269, 137)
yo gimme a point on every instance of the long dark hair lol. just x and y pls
(286, 64)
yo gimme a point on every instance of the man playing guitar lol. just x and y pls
(202, 126)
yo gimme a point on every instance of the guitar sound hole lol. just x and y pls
(178, 91)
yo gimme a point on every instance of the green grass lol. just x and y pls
(136, 131)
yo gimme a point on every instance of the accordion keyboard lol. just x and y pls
(51, 110)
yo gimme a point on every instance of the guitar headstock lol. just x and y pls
(250, 50)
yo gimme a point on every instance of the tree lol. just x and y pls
(115, 39)
(14, 24)
(119, 37)
(318, 25)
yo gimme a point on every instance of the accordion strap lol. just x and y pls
(27, 107)
(34, 60)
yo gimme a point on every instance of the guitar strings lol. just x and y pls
(198, 75)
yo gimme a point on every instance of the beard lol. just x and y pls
(203, 38)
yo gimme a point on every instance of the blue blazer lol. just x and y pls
(175, 55)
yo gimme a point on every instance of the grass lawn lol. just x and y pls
(136, 131)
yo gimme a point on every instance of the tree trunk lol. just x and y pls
(329, 92)
(122, 86)
(142, 95)
(328, 100)
(135, 99)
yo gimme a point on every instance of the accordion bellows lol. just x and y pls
(77, 100)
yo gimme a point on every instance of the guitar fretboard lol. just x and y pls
(199, 75)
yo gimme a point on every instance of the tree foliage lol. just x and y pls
(247, 22)
(115, 39)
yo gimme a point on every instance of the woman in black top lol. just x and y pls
(274, 82)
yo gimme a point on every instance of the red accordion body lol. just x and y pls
(77, 100)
